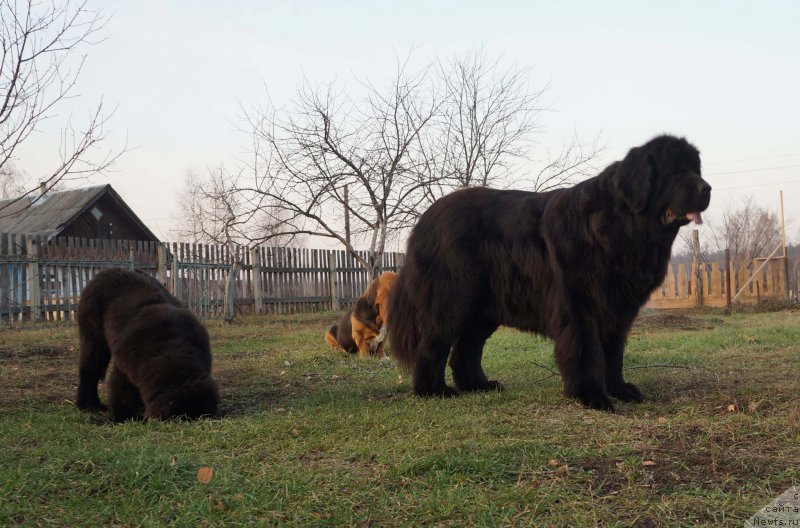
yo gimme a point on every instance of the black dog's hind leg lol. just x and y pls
(94, 358)
(466, 360)
(428, 376)
(615, 382)
(123, 397)
(580, 359)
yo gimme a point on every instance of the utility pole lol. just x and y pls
(785, 254)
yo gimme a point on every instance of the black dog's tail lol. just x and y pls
(403, 331)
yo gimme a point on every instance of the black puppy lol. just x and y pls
(161, 352)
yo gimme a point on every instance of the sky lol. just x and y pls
(724, 74)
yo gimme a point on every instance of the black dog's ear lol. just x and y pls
(633, 177)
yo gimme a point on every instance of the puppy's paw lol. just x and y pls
(627, 392)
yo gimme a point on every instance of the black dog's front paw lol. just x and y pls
(627, 392)
(599, 402)
(440, 392)
(89, 404)
(494, 385)
(593, 397)
(486, 385)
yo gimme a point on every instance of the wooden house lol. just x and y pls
(96, 212)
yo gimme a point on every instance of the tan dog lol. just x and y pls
(362, 329)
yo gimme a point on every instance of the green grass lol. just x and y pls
(314, 437)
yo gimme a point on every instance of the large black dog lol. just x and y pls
(573, 264)
(161, 352)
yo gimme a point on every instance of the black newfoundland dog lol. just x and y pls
(573, 264)
(161, 352)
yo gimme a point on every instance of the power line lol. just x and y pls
(751, 170)
(755, 185)
(752, 159)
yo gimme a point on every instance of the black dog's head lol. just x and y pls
(190, 400)
(662, 178)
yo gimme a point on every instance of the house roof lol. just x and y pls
(50, 214)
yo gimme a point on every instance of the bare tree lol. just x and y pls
(39, 69)
(749, 231)
(211, 213)
(12, 183)
(305, 157)
(376, 161)
(490, 118)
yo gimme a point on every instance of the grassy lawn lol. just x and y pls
(314, 437)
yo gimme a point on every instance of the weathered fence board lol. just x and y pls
(42, 280)
(680, 291)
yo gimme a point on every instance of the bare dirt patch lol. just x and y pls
(46, 351)
(673, 321)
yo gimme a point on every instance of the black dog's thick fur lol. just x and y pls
(573, 264)
(161, 352)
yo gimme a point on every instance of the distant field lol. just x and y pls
(314, 437)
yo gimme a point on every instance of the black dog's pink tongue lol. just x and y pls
(696, 217)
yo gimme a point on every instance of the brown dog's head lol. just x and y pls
(662, 177)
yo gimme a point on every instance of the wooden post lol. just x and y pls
(230, 290)
(698, 273)
(258, 292)
(785, 255)
(132, 256)
(728, 281)
(161, 256)
(346, 214)
(34, 281)
(176, 283)
(333, 281)
(5, 278)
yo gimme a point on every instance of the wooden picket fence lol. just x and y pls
(684, 283)
(42, 280)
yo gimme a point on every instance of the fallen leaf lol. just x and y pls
(287, 363)
(173, 461)
(752, 406)
(552, 462)
(534, 483)
(731, 408)
(661, 419)
(648, 463)
(205, 474)
(404, 481)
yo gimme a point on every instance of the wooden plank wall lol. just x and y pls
(268, 280)
(272, 279)
(680, 291)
